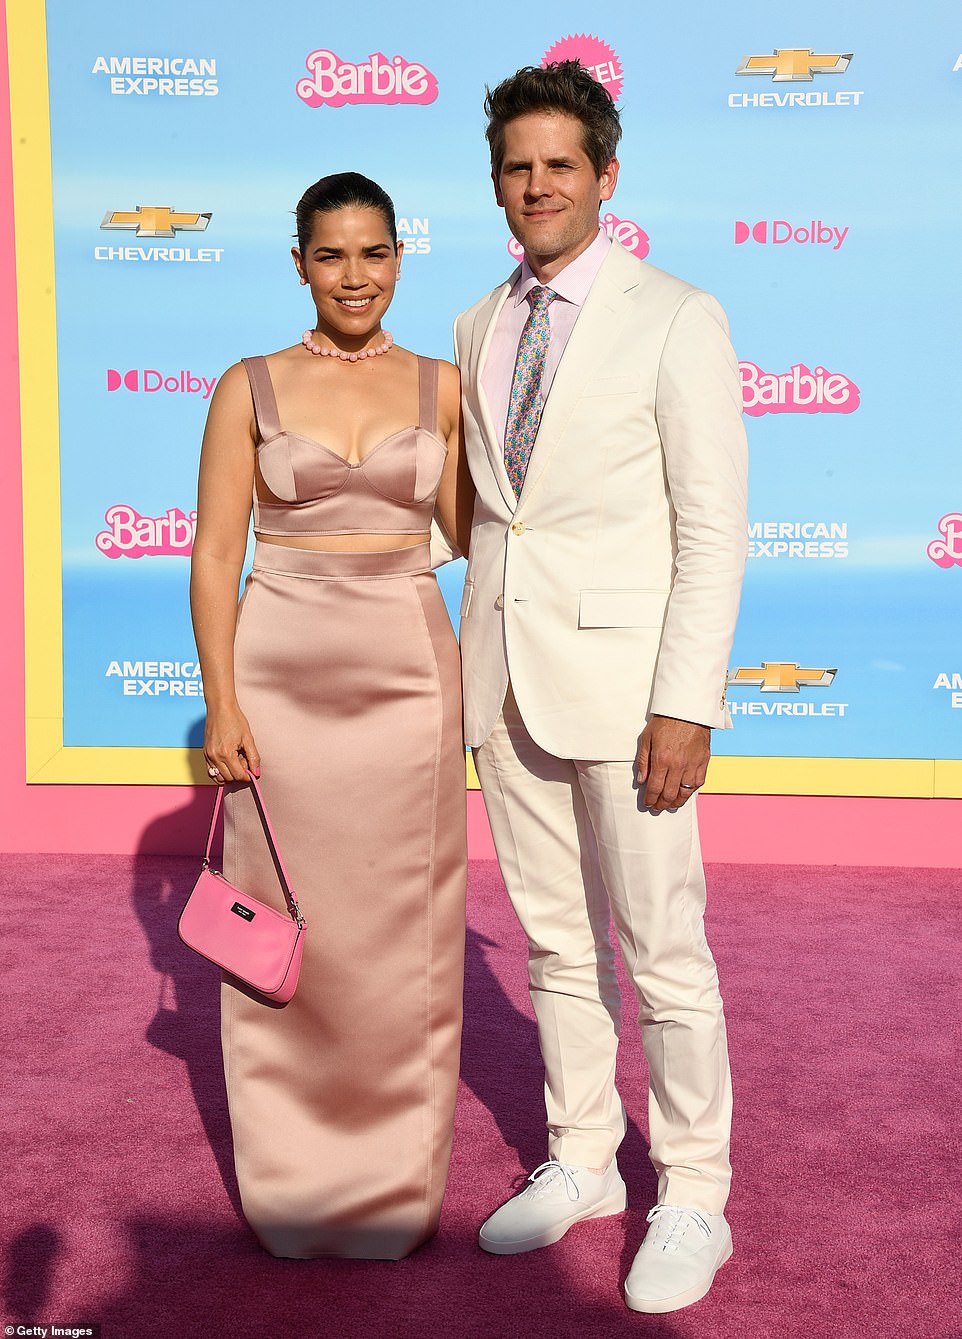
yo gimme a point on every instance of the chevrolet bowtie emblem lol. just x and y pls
(794, 64)
(782, 676)
(155, 221)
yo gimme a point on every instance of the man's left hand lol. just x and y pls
(672, 761)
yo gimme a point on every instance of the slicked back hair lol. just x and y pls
(565, 87)
(342, 190)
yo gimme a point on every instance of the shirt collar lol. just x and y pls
(573, 282)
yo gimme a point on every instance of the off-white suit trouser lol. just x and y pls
(577, 849)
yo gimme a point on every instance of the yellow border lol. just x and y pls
(36, 309)
(905, 778)
(48, 761)
(893, 777)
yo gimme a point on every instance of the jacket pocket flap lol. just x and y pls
(622, 608)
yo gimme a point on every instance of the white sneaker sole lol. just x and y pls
(661, 1305)
(615, 1203)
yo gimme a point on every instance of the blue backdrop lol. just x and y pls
(801, 166)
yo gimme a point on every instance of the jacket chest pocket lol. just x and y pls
(622, 608)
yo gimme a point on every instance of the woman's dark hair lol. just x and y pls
(563, 86)
(342, 190)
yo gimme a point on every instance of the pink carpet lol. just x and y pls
(844, 1003)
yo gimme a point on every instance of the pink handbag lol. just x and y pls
(260, 946)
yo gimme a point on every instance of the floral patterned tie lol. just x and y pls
(524, 407)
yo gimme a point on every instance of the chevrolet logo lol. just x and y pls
(155, 221)
(794, 64)
(782, 676)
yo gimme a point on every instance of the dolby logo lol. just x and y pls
(149, 381)
(779, 232)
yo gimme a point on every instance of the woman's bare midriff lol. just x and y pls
(345, 543)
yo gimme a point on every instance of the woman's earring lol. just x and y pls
(303, 280)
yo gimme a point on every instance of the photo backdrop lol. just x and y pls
(799, 167)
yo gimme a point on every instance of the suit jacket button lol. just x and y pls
(518, 528)
(499, 602)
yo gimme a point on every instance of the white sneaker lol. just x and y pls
(557, 1195)
(677, 1261)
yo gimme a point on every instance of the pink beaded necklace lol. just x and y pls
(307, 339)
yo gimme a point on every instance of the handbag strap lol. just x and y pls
(289, 896)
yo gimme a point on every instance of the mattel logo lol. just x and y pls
(594, 53)
(378, 79)
(780, 231)
(150, 381)
(798, 391)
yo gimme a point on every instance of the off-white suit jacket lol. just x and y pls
(609, 590)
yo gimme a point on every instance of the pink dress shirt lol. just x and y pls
(571, 286)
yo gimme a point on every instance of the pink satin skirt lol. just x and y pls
(342, 1101)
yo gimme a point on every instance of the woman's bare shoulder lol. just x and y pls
(448, 372)
(449, 385)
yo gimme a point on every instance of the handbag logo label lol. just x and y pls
(240, 910)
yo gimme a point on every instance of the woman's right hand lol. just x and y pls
(229, 746)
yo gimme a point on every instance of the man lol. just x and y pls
(603, 425)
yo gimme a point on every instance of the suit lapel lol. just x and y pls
(596, 332)
(485, 322)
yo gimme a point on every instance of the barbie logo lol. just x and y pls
(595, 55)
(799, 391)
(336, 82)
(134, 536)
(947, 551)
(631, 237)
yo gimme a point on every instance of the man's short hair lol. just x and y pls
(564, 86)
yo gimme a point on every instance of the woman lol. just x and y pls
(337, 682)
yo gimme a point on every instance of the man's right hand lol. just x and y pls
(672, 761)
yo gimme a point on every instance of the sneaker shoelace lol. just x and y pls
(545, 1176)
(672, 1223)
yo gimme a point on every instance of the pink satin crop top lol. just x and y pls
(315, 491)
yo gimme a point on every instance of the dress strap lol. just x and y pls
(265, 402)
(428, 393)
